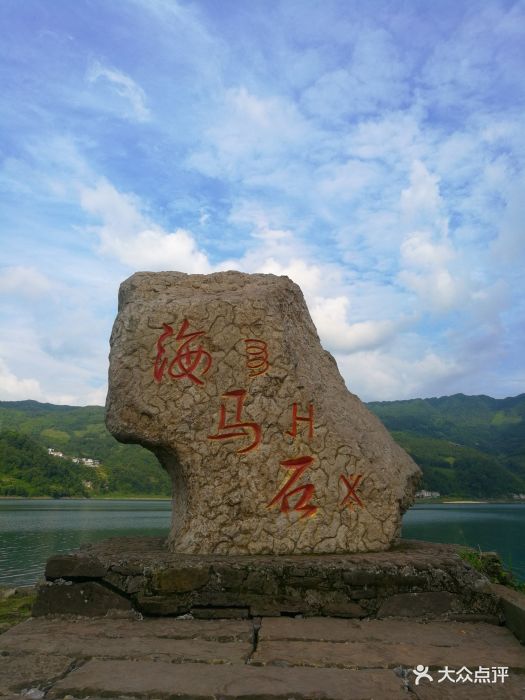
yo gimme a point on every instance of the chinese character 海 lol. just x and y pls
(188, 361)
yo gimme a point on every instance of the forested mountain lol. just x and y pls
(28, 428)
(467, 445)
(470, 446)
(28, 470)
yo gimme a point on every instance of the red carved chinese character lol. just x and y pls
(160, 360)
(187, 360)
(351, 497)
(307, 419)
(237, 429)
(256, 356)
(298, 466)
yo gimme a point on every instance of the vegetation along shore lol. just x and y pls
(470, 448)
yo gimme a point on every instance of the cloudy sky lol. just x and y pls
(372, 151)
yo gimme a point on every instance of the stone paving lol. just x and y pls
(270, 658)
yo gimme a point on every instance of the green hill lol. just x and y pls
(471, 446)
(77, 432)
(468, 446)
(28, 470)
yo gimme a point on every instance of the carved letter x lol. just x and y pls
(351, 497)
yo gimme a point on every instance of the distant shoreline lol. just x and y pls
(418, 501)
(83, 498)
(465, 501)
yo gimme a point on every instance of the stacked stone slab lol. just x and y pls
(224, 378)
(425, 580)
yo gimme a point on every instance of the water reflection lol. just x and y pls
(33, 530)
(496, 527)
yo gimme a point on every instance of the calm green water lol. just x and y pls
(493, 527)
(33, 530)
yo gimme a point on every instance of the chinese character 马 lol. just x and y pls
(237, 428)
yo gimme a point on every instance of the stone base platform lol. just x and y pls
(415, 579)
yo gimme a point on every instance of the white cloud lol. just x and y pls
(157, 250)
(68, 347)
(249, 134)
(330, 318)
(25, 282)
(421, 201)
(308, 276)
(126, 234)
(96, 397)
(372, 78)
(437, 289)
(386, 376)
(478, 61)
(428, 259)
(385, 176)
(420, 251)
(347, 179)
(509, 245)
(324, 286)
(426, 272)
(14, 389)
(255, 216)
(124, 86)
(394, 137)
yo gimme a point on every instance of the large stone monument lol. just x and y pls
(223, 377)
(287, 492)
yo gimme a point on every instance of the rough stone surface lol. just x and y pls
(72, 567)
(195, 681)
(513, 606)
(173, 650)
(423, 578)
(366, 654)
(304, 659)
(223, 377)
(385, 644)
(420, 604)
(56, 628)
(87, 598)
(388, 632)
(512, 689)
(28, 670)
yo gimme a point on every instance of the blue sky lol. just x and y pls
(372, 151)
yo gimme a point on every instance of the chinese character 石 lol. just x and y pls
(298, 466)
(351, 496)
(256, 356)
(238, 428)
(306, 419)
(188, 361)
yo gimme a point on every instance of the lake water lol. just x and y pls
(491, 527)
(33, 530)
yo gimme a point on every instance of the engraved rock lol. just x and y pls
(223, 377)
